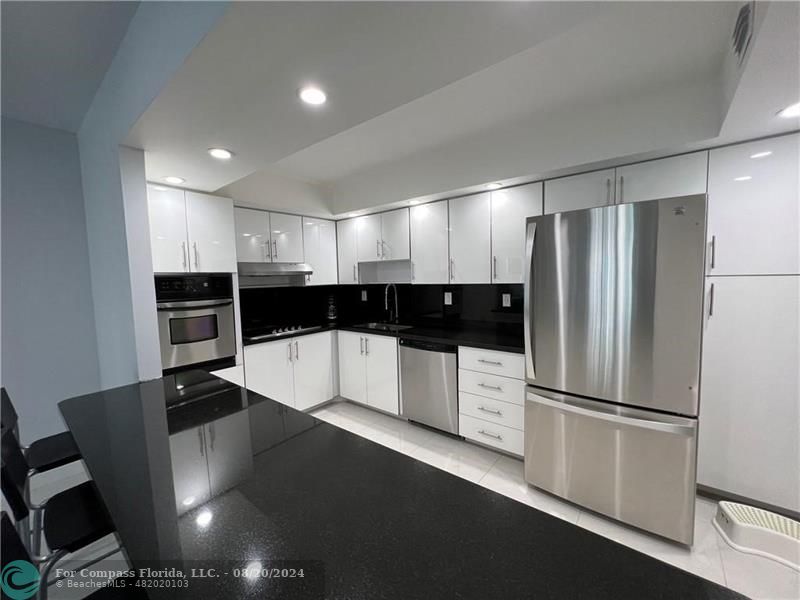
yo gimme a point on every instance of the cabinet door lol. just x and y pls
(352, 367)
(319, 249)
(510, 208)
(347, 249)
(252, 235)
(313, 369)
(229, 450)
(166, 209)
(755, 223)
(587, 190)
(382, 388)
(368, 234)
(189, 469)
(212, 234)
(394, 235)
(429, 249)
(664, 178)
(286, 232)
(749, 413)
(268, 370)
(470, 228)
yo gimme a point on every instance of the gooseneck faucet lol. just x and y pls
(386, 302)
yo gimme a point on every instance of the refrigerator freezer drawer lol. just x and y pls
(633, 465)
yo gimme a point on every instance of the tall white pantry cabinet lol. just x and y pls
(749, 433)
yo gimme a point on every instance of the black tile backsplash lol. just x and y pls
(419, 304)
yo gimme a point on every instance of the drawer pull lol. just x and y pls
(497, 363)
(491, 435)
(499, 413)
(490, 387)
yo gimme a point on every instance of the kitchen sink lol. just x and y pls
(384, 326)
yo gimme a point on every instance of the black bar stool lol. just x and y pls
(69, 521)
(13, 549)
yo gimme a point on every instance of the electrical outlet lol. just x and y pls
(448, 298)
(506, 300)
(363, 295)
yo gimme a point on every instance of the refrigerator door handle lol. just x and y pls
(530, 359)
(662, 426)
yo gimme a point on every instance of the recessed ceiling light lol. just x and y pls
(790, 111)
(494, 186)
(220, 153)
(761, 154)
(312, 95)
(413, 202)
(743, 178)
(175, 180)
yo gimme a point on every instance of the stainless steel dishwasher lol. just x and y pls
(428, 384)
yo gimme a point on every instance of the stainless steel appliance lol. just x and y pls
(428, 384)
(276, 332)
(273, 274)
(613, 315)
(195, 321)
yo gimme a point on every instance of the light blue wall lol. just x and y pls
(49, 344)
(160, 37)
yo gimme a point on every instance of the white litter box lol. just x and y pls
(757, 531)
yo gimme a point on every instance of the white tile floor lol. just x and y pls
(710, 557)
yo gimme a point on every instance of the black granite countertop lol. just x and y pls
(226, 479)
(504, 337)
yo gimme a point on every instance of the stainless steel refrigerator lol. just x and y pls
(613, 318)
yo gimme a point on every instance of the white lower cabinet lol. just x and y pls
(297, 371)
(498, 436)
(749, 429)
(368, 370)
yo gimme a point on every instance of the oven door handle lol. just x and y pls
(192, 304)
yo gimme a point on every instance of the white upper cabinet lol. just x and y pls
(209, 221)
(286, 232)
(395, 235)
(368, 230)
(576, 192)
(167, 215)
(470, 247)
(510, 209)
(429, 249)
(252, 235)
(754, 208)
(347, 249)
(319, 248)
(664, 178)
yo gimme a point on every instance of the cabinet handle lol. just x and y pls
(494, 267)
(366, 346)
(608, 190)
(355, 276)
(296, 351)
(196, 260)
(491, 435)
(499, 413)
(496, 363)
(621, 189)
(490, 387)
(275, 249)
(289, 348)
(183, 255)
(452, 269)
(412, 270)
(361, 344)
(202, 445)
(378, 248)
(265, 248)
(713, 251)
(212, 432)
(383, 250)
(711, 301)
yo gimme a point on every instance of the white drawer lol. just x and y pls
(492, 386)
(506, 364)
(496, 411)
(491, 434)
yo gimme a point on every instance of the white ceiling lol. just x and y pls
(54, 56)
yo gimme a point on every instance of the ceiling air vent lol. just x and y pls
(743, 31)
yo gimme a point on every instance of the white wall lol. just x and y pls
(273, 190)
(49, 345)
(159, 38)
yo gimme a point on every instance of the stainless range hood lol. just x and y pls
(259, 274)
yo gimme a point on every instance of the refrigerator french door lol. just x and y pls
(613, 312)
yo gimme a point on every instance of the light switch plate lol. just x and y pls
(448, 298)
(506, 300)
(363, 295)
